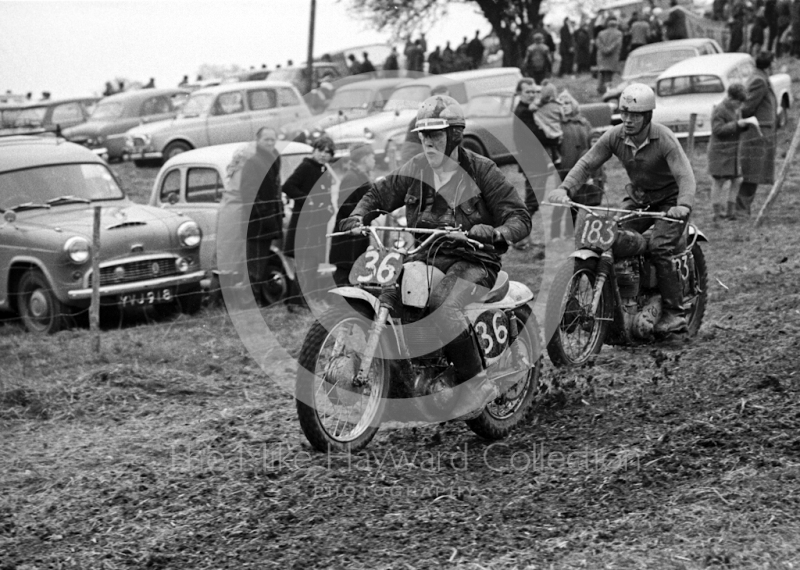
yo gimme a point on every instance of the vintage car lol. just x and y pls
(231, 112)
(118, 113)
(53, 114)
(695, 85)
(49, 189)
(192, 183)
(349, 102)
(645, 64)
(386, 130)
(490, 123)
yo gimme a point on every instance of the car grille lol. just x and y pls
(138, 270)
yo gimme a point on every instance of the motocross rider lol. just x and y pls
(662, 181)
(448, 186)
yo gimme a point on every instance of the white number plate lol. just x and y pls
(381, 268)
(141, 298)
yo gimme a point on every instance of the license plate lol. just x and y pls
(376, 267)
(598, 233)
(142, 298)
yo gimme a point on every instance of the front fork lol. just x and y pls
(604, 268)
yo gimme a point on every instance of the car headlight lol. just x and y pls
(77, 249)
(613, 104)
(189, 234)
(100, 139)
(282, 135)
(368, 133)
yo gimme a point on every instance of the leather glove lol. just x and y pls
(558, 196)
(350, 223)
(679, 212)
(483, 233)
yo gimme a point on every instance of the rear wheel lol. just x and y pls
(39, 308)
(505, 413)
(576, 332)
(697, 309)
(334, 412)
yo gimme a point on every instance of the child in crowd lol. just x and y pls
(547, 116)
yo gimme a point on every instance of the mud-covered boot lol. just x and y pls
(465, 355)
(670, 285)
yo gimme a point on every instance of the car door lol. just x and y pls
(263, 104)
(229, 121)
(291, 105)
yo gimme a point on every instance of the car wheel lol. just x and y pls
(174, 149)
(191, 301)
(40, 310)
(475, 146)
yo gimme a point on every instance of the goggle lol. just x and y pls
(430, 125)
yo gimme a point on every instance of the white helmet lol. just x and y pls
(637, 98)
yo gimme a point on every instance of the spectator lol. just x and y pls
(354, 68)
(463, 48)
(640, 29)
(757, 36)
(784, 20)
(609, 45)
(45, 96)
(109, 89)
(723, 152)
(391, 63)
(574, 144)
(757, 146)
(366, 66)
(736, 25)
(435, 62)
(547, 116)
(416, 60)
(771, 22)
(448, 57)
(316, 99)
(537, 62)
(345, 250)
(121, 84)
(150, 84)
(261, 198)
(475, 50)
(289, 63)
(310, 188)
(656, 28)
(583, 48)
(423, 43)
(567, 49)
(548, 37)
(184, 81)
(675, 26)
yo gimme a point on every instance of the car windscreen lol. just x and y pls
(107, 111)
(407, 98)
(30, 117)
(38, 185)
(689, 84)
(488, 106)
(197, 105)
(654, 63)
(287, 75)
(352, 99)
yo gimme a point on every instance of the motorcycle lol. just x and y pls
(609, 294)
(373, 359)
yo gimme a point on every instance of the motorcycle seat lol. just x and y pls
(499, 291)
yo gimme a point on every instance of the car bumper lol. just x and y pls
(134, 155)
(136, 286)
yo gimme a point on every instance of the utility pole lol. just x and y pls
(310, 58)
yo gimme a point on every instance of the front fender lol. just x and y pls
(361, 295)
(584, 254)
(700, 235)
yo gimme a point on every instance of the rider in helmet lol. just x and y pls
(661, 181)
(446, 186)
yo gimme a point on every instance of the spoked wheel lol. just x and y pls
(576, 332)
(697, 308)
(505, 413)
(335, 412)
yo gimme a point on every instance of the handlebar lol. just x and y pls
(608, 209)
(453, 233)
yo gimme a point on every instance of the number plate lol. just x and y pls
(598, 233)
(141, 298)
(377, 268)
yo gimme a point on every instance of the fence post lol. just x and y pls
(94, 310)
(690, 142)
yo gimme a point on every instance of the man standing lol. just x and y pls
(261, 186)
(609, 46)
(583, 48)
(566, 49)
(537, 59)
(391, 63)
(475, 50)
(639, 30)
(345, 250)
(757, 147)
(675, 26)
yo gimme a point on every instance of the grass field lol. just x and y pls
(172, 449)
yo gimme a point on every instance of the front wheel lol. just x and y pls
(697, 308)
(175, 148)
(335, 413)
(39, 308)
(505, 413)
(576, 333)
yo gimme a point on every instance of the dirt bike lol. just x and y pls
(609, 293)
(364, 362)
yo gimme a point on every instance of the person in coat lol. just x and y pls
(538, 60)
(567, 49)
(345, 250)
(261, 197)
(723, 152)
(583, 48)
(675, 26)
(609, 46)
(310, 187)
(757, 146)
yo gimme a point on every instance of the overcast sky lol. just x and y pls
(72, 47)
